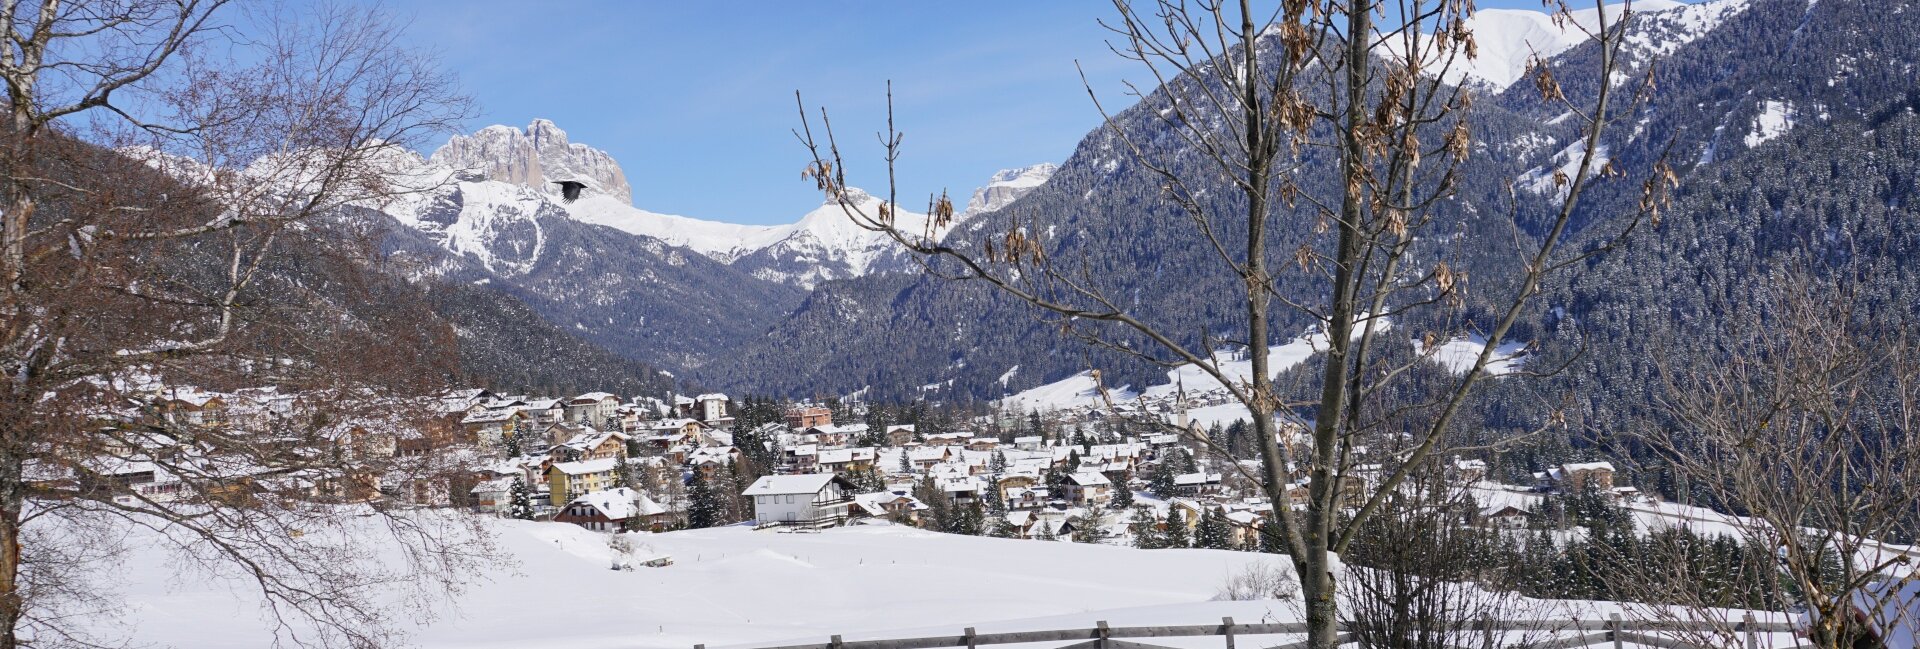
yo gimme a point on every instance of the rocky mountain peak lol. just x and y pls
(1007, 185)
(535, 158)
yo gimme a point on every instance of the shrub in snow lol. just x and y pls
(1257, 581)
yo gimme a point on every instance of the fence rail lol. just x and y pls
(1586, 633)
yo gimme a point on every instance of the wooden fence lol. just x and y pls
(1565, 634)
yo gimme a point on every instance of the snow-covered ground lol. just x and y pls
(727, 586)
(736, 586)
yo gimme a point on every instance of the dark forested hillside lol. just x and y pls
(1778, 122)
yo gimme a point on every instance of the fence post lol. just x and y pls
(1753, 639)
(1226, 628)
(1613, 631)
(970, 635)
(1102, 630)
(1486, 631)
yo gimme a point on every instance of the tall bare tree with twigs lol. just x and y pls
(1803, 423)
(1327, 111)
(177, 179)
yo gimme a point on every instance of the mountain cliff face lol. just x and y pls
(535, 158)
(1007, 186)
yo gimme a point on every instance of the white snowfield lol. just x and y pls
(735, 586)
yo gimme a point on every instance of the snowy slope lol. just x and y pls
(1507, 39)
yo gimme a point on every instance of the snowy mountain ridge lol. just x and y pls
(822, 244)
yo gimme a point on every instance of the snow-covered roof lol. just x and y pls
(1196, 478)
(1089, 479)
(594, 396)
(586, 466)
(621, 503)
(711, 396)
(1587, 466)
(776, 485)
(875, 503)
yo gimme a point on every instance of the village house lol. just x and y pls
(489, 428)
(615, 510)
(900, 435)
(926, 457)
(593, 408)
(1597, 476)
(1087, 488)
(1503, 517)
(708, 459)
(1028, 443)
(1196, 484)
(843, 460)
(593, 445)
(831, 436)
(1011, 481)
(570, 480)
(896, 506)
(805, 500)
(542, 413)
(956, 438)
(802, 417)
(712, 408)
(1023, 498)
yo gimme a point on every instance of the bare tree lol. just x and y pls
(1801, 421)
(180, 184)
(1327, 112)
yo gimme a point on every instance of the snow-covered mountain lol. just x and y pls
(1008, 185)
(823, 244)
(1508, 39)
(535, 158)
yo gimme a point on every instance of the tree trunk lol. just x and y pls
(12, 497)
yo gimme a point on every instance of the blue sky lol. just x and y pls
(695, 99)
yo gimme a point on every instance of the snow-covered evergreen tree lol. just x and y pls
(520, 504)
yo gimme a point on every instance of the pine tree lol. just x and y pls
(1144, 527)
(1176, 535)
(1073, 461)
(521, 504)
(1090, 527)
(906, 463)
(703, 508)
(1045, 533)
(998, 464)
(510, 444)
(1123, 492)
(1214, 532)
(1162, 481)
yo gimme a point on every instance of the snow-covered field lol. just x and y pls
(736, 586)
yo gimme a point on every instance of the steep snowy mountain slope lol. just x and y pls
(1508, 39)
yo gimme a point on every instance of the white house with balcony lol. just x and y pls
(804, 500)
